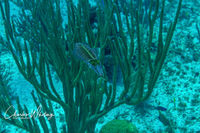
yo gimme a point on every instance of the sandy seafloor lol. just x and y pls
(177, 89)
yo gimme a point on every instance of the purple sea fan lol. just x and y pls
(89, 56)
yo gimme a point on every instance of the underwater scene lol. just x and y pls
(99, 66)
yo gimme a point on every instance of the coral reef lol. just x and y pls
(119, 126)
(41, 45)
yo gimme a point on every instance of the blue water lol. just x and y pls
(49, 83)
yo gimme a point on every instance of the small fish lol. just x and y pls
(89, 56)
(160, 108)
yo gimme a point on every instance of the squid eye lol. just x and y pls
(98, 62)
(94, 62)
